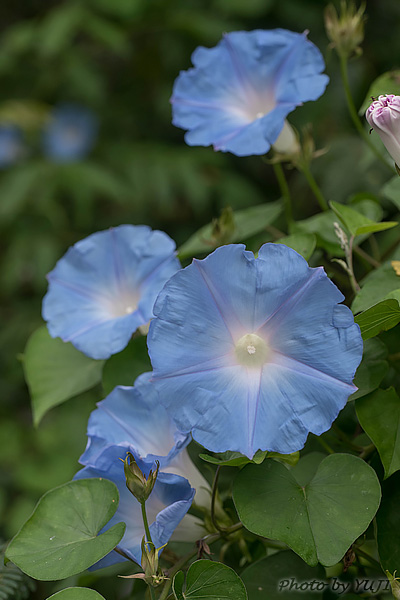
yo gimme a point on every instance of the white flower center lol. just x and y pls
(251, 350)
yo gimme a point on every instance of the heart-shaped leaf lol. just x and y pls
(245, 223)
(357, 223)
(381, 317)
(303, 243)
(388, 524)
(61, 538)
(235, 459)
(282, 574)
(209, 580)
(372, 368)
(56, 371)
(76, 593)
(379, 416)
(320, 520)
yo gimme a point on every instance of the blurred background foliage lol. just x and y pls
(118, 59)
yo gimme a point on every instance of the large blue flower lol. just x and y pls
(70, 133)
(104, 287)
(252, 353)
(133, 419)
(166, 506)
(238, 94)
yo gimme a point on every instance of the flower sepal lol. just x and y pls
(136, 481)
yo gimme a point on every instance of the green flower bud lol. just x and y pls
(152, 575)
(136, 482)
(346, 31)
(394, 584)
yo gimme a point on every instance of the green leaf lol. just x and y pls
(61, 538)
(319, 521)
(388, 524)
(306, 468)
(386, 83)
(375, 288)
(372, 368)
(356, 223)
(208, 580)
(276, 576)
(124, 367)
(321, 225)
(303, 243)
(247, 222)
(56, 371)
(77, 593)
(379, 416)
(235, 459)
(391, 190)
(381, 317)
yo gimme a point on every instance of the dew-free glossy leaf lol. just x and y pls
(380, 317)
(61, 538)
(357, 223)
(375, 287)
(388, 524)
(372, 369)
(303, 243)
(209, 580)
(247, 222)
(56, 371)
(381, 85)
(235, 459)
(318, 521)
(392, 190)
(76, 593)
(379, 416)
(277, 576)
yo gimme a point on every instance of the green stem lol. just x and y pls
(146, 523)
(353, 112)
(314, 186)
(213, 499)
(325, 445)
(353, 280)
(372, 560)
(346, 440)
(210, 539)
(148, 539)
(280, 176)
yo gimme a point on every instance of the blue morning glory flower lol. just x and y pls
(133, 419)
(252, 353)
(239, 93)
(105, 286)
(11, 145)
(166, 506)
(70, 133)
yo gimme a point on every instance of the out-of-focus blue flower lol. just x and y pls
(238, 94)
(105, 286)
(70, 133)
(166, 506)
(134, 419)
(11, 145)
(252, 353)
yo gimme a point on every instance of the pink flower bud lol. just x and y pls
(384, 116)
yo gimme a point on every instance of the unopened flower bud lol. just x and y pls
(136, 481)
(394, 584)
(384, 117)
(346, 31)
(152, 574)
(223, 228)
